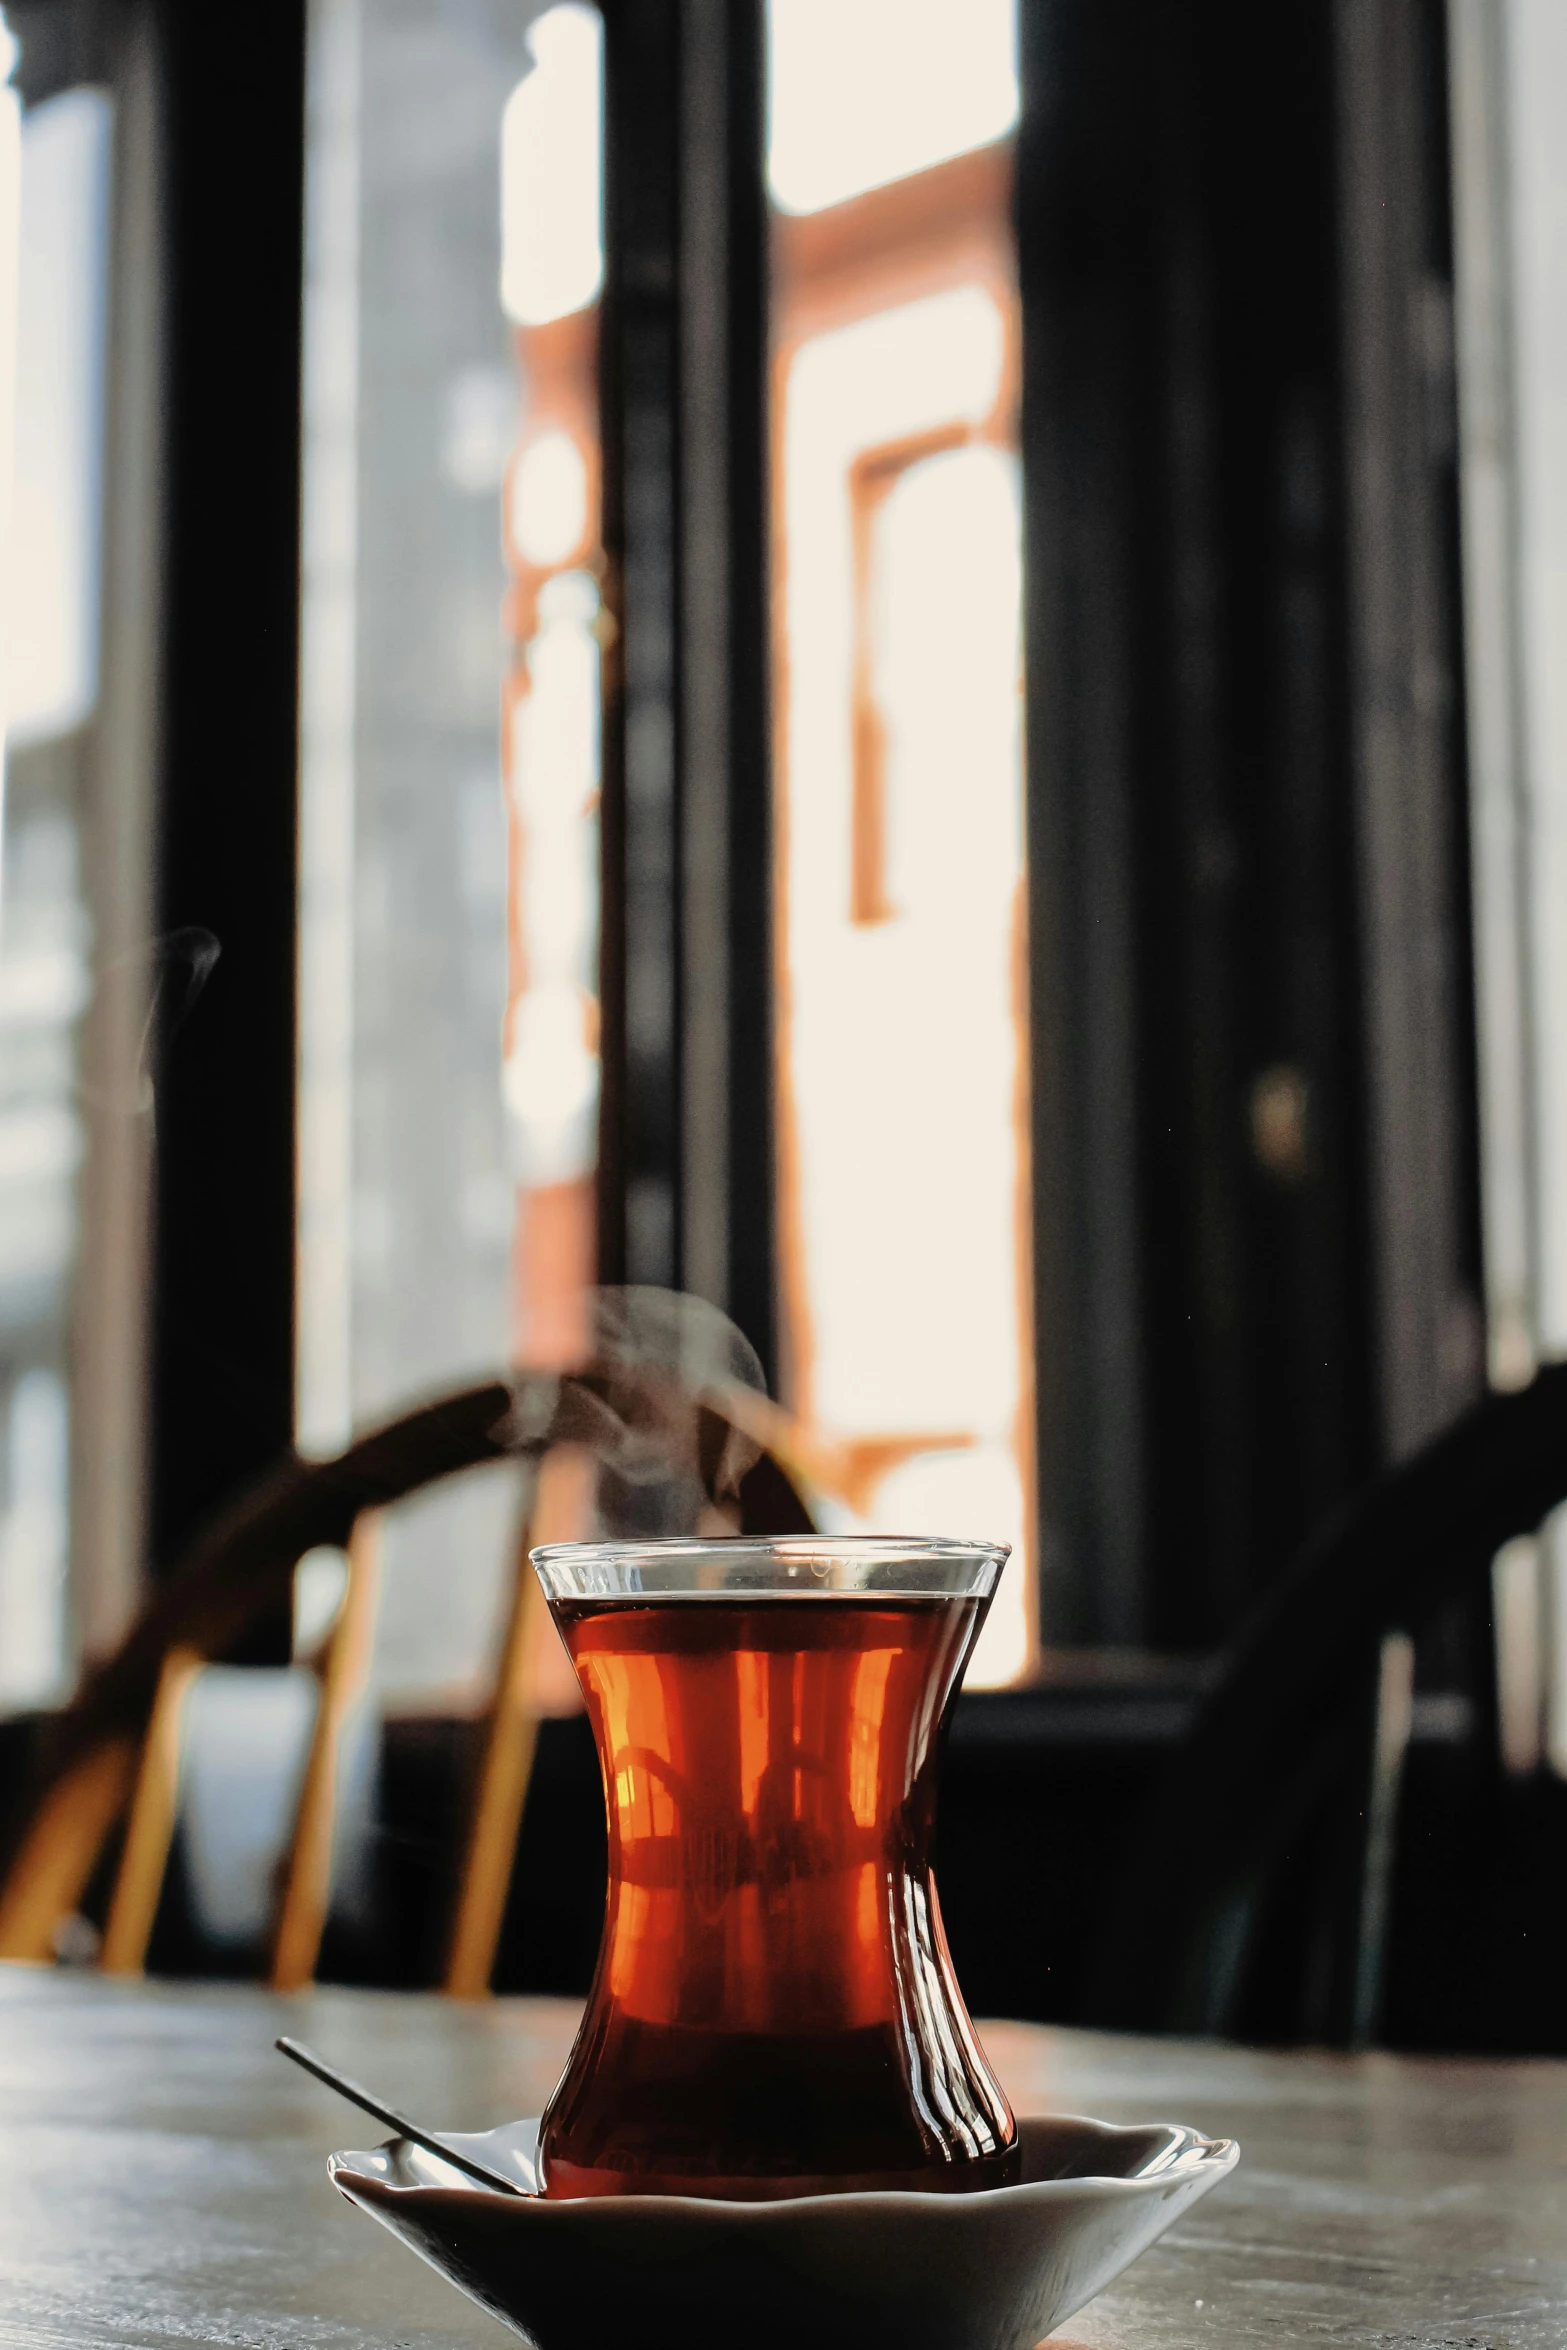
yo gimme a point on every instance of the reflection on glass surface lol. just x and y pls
(772, 1941)
(903, 1056)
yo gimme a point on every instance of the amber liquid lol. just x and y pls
(775, 2011)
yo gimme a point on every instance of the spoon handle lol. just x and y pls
(299, 2054)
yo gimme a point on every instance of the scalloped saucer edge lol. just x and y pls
(997, 2270)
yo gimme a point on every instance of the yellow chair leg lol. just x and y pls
(308, 1892)
(150, 1831)
(511, 1734)
(61, 1848)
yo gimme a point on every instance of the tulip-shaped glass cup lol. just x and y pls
(774, 2011)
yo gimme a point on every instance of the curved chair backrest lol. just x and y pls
(117, 1744)
(1289, 1723)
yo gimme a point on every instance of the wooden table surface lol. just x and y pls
(162, 2177)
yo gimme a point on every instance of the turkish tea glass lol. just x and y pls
(774, 2011)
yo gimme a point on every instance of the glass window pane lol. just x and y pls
(54, 195)
(450, 744)
(56, 403)
(904, 1212)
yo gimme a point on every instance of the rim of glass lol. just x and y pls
(783, 1566)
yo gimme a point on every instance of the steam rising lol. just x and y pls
(178, 966)
(650, 1406)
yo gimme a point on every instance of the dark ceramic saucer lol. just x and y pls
(990, 2271)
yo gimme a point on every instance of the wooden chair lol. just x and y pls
(1295, 1760)
(342, 1668)
(114, 1751)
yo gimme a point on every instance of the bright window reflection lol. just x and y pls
(551, 273)
(947, 589)
(863, 92)
(549, 499)
(903, 1054)
(552, 239)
